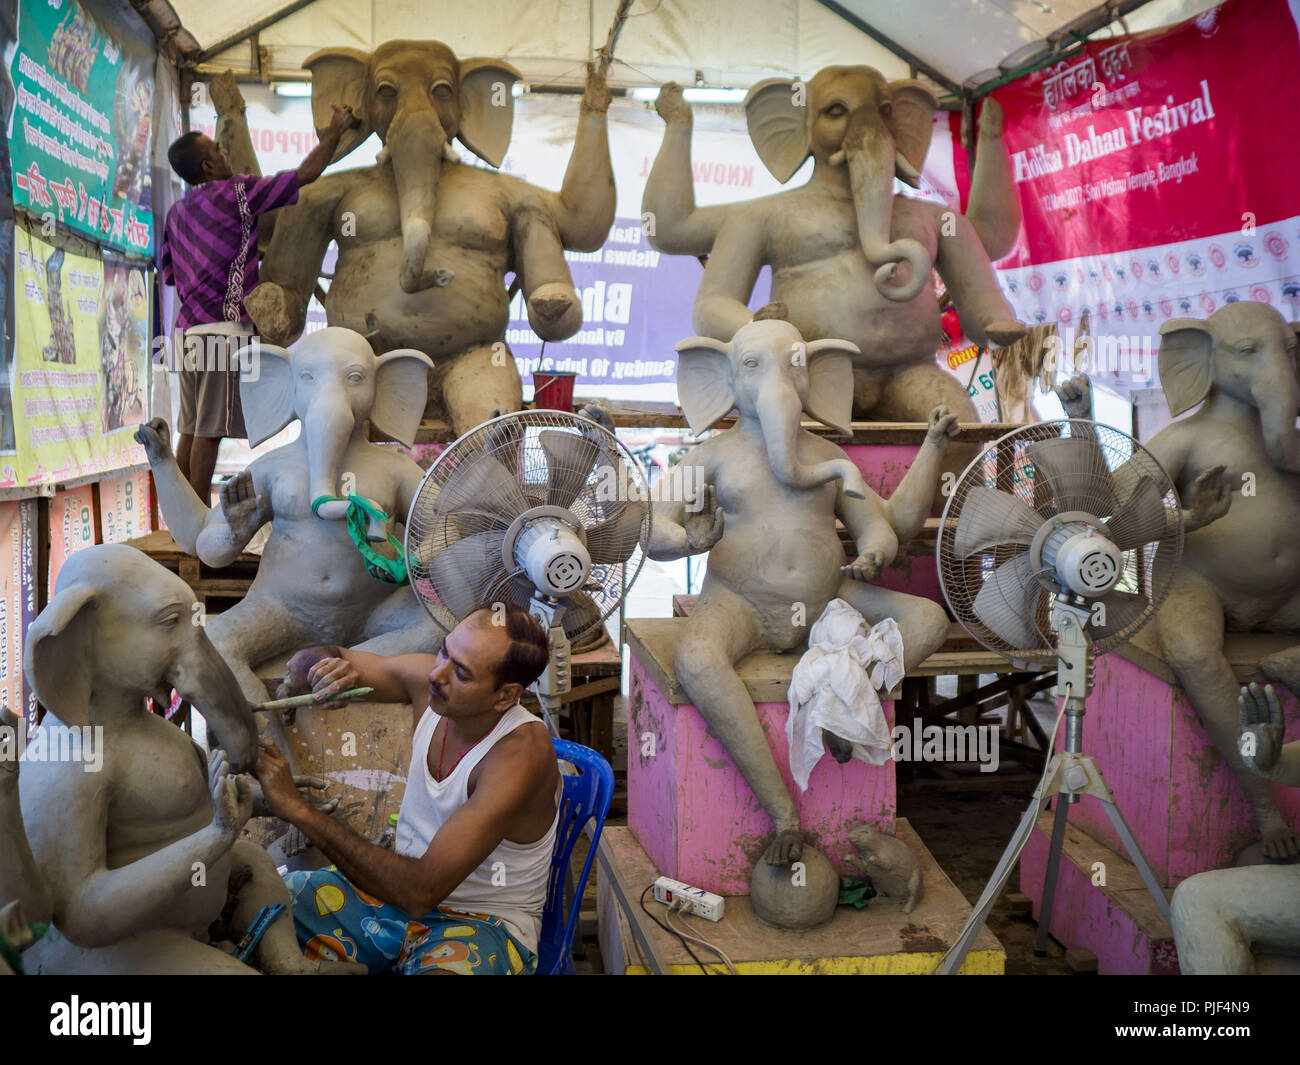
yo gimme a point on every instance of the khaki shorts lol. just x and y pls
(209, 386)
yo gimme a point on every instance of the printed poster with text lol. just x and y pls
(80, 372)
(17, 601)
(81, 138)
(1157, 173)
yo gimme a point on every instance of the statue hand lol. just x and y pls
(942, 428)
(671, 105)
(595, 95)
(244, 510)
(1211, 496)
(867, 566)
(156, 438)
(305, 784)
(1260, 725)
(1076, 396)
(704, 526)
(232, 798)
(278, 316)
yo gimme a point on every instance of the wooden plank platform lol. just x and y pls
(669, 416)
(767, 675)
(879, 939)
(1243, 650)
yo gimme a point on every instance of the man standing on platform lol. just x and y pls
(208, 251)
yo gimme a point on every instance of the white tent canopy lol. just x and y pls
(730, 43)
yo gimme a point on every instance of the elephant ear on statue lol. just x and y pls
(704, 381)
(267, 398)
(778, 125)
(830, 383)
(911, 121)
(55, 654)
(401, 384)
(1186, 373)
(487, 107)
(340, 76)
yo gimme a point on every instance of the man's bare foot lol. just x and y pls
(785, 848)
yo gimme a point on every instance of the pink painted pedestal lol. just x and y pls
(689, 807)
(1177, 794)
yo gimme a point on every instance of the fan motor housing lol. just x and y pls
(550, 552)
(1072, 550)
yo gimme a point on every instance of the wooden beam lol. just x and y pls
(249, 31)
(910, 58)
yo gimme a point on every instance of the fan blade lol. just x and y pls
(570, 459)
(1072, 471)
(580, 614)
(1007, 602)
(990, 517)
(462, 573)
(1141, 518)
(483, 486)
(1122, 609)
(615, 538)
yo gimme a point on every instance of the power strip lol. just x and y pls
(703, 903)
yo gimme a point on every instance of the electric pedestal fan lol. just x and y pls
(1059, 541)
(541, 508)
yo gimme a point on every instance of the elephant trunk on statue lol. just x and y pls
(328, 427)
(873, 160)
(416, 146)
(779, 411)
(203, 677)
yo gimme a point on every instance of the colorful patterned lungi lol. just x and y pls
(338, 922)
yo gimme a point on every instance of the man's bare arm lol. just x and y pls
(506, 782)
(329, 669)
(319, 157)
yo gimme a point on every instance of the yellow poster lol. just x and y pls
(80, 364)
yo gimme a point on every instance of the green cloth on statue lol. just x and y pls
(390, 571)
(855, 893)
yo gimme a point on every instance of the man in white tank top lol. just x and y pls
(464, 887)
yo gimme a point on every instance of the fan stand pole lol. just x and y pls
(1070, 775)
(555, 681)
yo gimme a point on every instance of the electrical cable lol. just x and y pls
(671, 931)
(685, 904)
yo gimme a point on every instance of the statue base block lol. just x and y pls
(1101, 903)
(878, 940)
(688, 805)
(1177, 794)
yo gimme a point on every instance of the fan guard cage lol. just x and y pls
(1147, 567)
(499, 469)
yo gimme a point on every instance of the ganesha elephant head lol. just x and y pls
(1247, 351)
(852, 116)
(418, 97)
(333, 383)
(772, 376)
(119, 628)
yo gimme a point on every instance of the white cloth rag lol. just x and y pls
(835, 684)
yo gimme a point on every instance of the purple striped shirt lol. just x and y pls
(209, 245)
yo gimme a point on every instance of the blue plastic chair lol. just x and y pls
(586, 796)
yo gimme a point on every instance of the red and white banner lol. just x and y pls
(1157, 174)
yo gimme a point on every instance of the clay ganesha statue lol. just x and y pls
(313, 584)
(136, 851)
(849, 258)
(773, 538)
(424, 241)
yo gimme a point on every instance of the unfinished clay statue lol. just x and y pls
(24, 896)
(424, 241)
(848, 257)
(1230, 921)
(1242, 570)
(134, 830)
(889, 863)
(779, 560)
(313, 584)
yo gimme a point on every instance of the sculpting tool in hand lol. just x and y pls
(310, 699)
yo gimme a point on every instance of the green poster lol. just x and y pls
(82, 132)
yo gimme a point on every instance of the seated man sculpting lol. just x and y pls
(463, 889)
